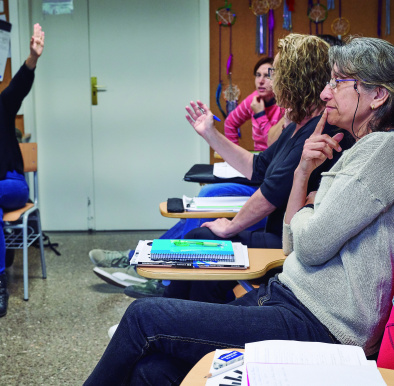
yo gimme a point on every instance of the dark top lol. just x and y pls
(10, 102)
(275, 167)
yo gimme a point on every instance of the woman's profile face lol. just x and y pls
(263, 84)
(341, 102)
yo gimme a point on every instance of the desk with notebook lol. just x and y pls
(260, 262)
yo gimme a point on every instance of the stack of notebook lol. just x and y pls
(191, 254)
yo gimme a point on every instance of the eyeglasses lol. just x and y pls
(333, 83)
(271, 72)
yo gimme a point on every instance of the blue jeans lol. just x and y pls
(14, 193)
(221, 190)
(159, 340)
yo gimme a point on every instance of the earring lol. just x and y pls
(373, 107)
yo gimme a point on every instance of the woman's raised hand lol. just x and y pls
(200, 117)
(37, 41)
(318, 147)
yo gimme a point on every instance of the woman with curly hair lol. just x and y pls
(300, 71)
(337, 282)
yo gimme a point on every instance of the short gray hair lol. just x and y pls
(371, 61)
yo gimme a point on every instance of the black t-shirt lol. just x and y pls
(275, 167)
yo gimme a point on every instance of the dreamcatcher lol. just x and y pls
(225, 18)
(340, 26)
(260, 9)
(317, 13)
(388, 10)
(231, 95)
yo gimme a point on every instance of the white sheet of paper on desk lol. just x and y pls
(303, 353)
(214, 204)
(311, 375)
(224, 170)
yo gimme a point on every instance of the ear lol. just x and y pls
(380, 97)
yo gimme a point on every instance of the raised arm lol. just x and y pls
(36, 47)
(202, 122)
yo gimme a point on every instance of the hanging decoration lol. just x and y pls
(340, 26)
(330, 4)
(288, 9)
(225, 18)
(317, 14)
(380, 6)
(231, 95)
(388, 10)
(260, 9)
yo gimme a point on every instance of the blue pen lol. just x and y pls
(214, 117)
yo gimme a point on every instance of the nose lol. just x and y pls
(326, 94)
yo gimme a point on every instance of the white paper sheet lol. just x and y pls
(224, 170)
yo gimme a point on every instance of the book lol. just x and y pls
(190, 250)
(142, 257)
(214, 204)
(277, 362)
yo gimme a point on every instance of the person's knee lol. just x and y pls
(202, 233)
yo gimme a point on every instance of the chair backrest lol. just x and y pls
(29, 154)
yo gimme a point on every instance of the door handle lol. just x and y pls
(95, 88)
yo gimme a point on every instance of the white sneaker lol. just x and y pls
(115, 276)
(103, 258)
(111, 331)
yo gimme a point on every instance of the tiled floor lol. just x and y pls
(59, 334)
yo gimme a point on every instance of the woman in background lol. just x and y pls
(260, 107)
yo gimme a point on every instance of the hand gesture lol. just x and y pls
(37, 41)
(201, 118)
(257, 104)
(318, 147)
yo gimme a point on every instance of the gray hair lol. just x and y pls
(371, 61)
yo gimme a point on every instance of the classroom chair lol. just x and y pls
(18, 230)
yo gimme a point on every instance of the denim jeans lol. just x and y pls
(221, 190)
(14, 193)
(159, 340)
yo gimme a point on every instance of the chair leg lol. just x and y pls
(43, 264)
(25, 264)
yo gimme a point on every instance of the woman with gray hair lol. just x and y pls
(337, 282)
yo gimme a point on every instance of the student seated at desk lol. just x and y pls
(337, 282)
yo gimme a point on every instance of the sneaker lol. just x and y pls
(151, 288)
(112, 330)
(108, 259)
(121, 277)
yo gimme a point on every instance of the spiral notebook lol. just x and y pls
(142, 257)
(191, 250)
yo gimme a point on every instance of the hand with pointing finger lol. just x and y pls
(318, 147)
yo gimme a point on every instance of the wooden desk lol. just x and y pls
(260, 261)
(164, 212)
(196, 375)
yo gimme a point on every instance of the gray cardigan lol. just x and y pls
(342, 251)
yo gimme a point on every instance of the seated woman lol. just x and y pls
(337, 282)
(14, 191)
(260, 107)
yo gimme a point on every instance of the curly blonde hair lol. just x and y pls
(302, 71)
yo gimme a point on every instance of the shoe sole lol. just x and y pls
(111, 279)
